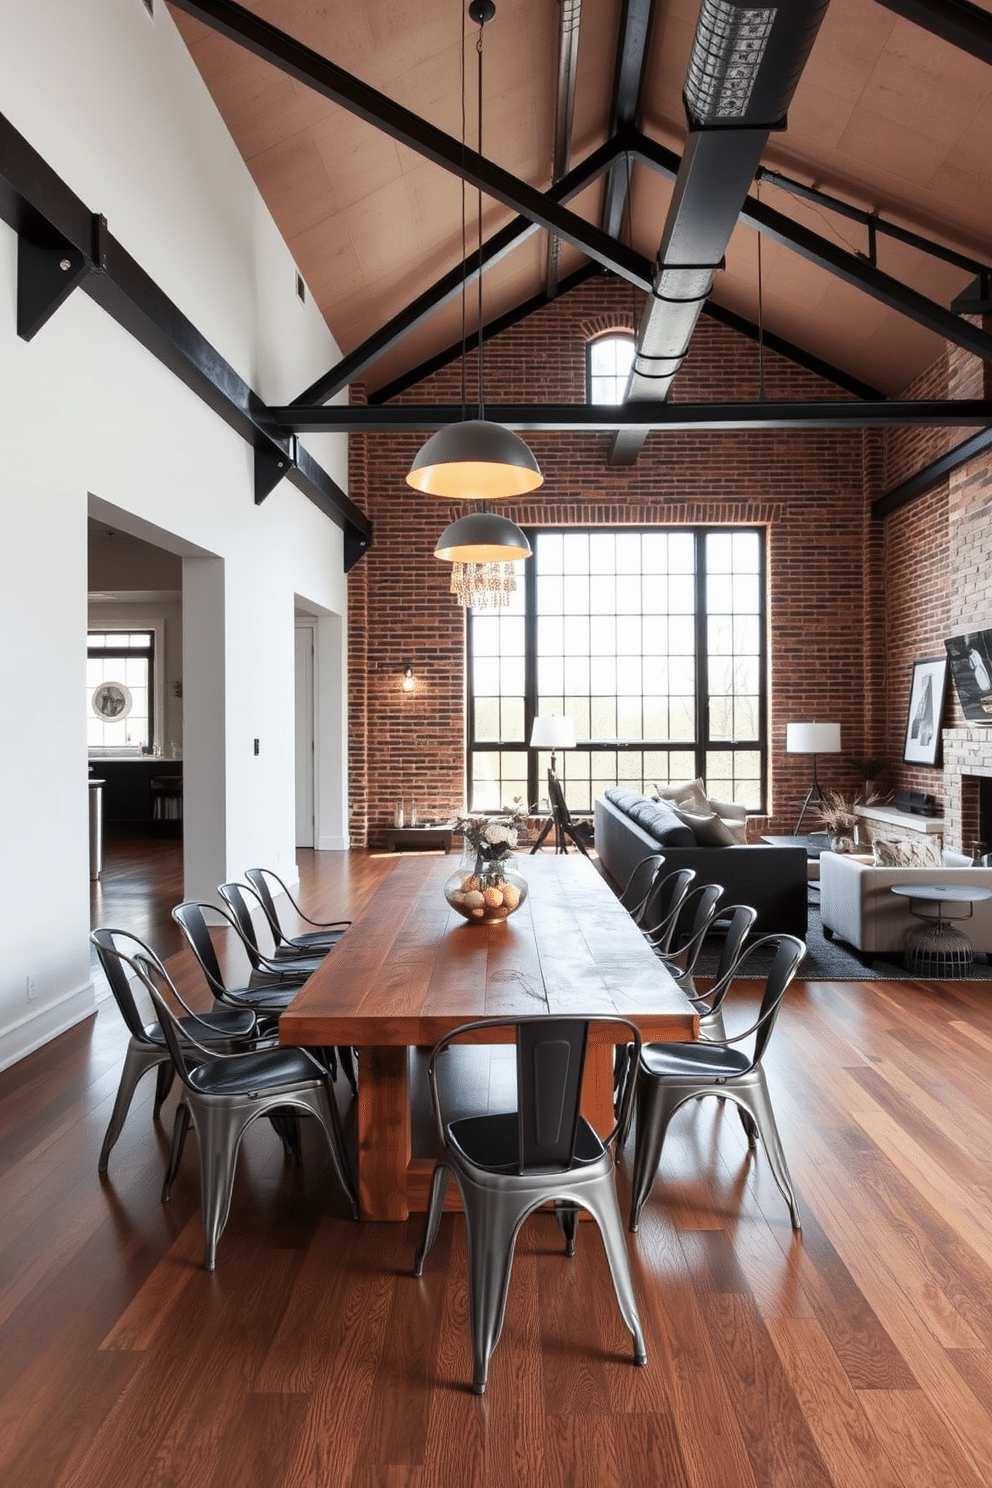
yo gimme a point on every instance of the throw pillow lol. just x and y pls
(908, 852)
(707, 828)
(729, 810)
(691, 795)
(737, 829)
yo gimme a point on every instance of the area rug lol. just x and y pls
(832, 960)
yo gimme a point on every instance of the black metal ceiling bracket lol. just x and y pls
(272, 464)
(47, 273)
(44, 211)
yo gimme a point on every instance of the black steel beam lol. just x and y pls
(965, 26)
(39, 206)
(931, 475)
(796, 354)
(845, 266)
(502, 323)
(628, 81)
(871, 221)
(592, 418)
(451, 284)
(323, 76)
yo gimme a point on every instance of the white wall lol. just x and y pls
(91, 421)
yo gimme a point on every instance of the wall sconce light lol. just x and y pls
(409, 680)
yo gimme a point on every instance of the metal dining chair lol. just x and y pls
(510, 1164)
(664, 907)
(701, 903)
(267, 999)
(318, 941)
(224, 1093)
(669, 1075)
(636, 891)
(222, 1028)
(265, 968)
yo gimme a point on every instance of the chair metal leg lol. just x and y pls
(219, 1130)
(347, 1057)
(166, 1075)
(601, 1201)
(492, 1221)
(567, 1216)
(435, 1208)
(654, 1111)
(180, 1127)
(753, 1098)
(137, 1061)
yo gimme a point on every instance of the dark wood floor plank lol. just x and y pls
(856, 1356)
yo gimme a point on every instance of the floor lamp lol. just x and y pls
(554, 733)
(814, 739)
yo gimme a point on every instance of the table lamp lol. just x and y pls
(814, 739)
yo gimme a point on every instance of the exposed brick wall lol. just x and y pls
(852, 600)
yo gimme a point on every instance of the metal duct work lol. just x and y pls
(743, 71)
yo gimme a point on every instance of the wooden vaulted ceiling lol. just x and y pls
(887, 117)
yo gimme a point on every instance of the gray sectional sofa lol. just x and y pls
(629, 826)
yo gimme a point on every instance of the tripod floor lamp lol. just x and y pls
(554, 733)
(814, 739)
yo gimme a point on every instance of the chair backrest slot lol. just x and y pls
(550, 1062)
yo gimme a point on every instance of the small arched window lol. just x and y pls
(608, 363)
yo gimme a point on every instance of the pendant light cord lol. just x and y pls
(761, 322)
(478, 48)
(464, 244)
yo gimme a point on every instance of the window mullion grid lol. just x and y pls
(702, 669)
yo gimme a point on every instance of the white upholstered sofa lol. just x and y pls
(857, 904)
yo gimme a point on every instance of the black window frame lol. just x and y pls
(113, 652)
(696, 752)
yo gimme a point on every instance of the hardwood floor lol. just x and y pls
(857, 1355)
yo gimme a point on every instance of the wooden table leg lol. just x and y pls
(383, 1132)
(597, 1088)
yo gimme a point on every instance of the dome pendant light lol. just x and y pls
(476, 459)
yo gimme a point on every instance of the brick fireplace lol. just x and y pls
(967, 764)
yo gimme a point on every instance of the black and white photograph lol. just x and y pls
(926, 708)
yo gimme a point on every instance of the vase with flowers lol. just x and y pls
(837, 817)
(487, 887)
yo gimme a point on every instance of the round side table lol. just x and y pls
(937, 948)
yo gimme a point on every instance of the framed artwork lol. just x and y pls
(112, 701)
(926, 709)
(970, 658)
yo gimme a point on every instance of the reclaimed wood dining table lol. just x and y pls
(410, 969)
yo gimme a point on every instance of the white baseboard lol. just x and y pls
(40, 1025)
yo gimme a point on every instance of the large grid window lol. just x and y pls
(651, 641)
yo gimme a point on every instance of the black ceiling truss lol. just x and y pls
(843, 264)
(625, 105)
(54, 227)
(451, 284)
(931, 475)
(541, 209)
(593, 418)
(323, 76)
(964, 26)
(874, 224)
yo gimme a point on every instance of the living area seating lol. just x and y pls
(629, 826)
(857, 903)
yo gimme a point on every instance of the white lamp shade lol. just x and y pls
(475, 461)
(812, 738)
(552, 732)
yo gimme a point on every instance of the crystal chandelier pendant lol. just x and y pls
(483, 586)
